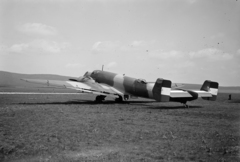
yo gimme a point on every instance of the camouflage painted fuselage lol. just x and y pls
(127, 85)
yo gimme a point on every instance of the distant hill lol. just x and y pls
(222, 89)
(229, 89)
(12, 82)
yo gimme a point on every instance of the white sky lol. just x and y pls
(182, 40)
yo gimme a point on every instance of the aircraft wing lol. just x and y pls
(82, 87)
(189, 93)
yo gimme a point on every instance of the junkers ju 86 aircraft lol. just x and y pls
(121, 87)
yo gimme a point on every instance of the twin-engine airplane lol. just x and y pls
(121, 87)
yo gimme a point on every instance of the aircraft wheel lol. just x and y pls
(126, 97)
(119, 99)
(100, 98)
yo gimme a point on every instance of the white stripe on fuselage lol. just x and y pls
(149, 89)
(118, 83)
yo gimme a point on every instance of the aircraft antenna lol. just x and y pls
(102, 67)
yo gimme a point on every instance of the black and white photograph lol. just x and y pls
(119, 80)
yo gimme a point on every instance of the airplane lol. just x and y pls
(121, 88)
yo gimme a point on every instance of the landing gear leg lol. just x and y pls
(100, 98)
(185, 104)
(119, 99)
(126, 97)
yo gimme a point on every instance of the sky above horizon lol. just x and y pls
(186, 41)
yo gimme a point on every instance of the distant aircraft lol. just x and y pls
(121, 87)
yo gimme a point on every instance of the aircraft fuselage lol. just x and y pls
(126, 85)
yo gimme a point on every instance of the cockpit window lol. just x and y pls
(142, 81)
(95, 72)
(87, 73)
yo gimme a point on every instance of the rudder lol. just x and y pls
(211, 87)
(161, 90)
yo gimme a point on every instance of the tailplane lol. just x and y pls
(211, 87)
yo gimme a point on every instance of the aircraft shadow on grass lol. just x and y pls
(89, 102)
(83, 102)
(173, 107)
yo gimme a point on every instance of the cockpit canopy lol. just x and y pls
(88, 74)
(95, 71)
(142, 81)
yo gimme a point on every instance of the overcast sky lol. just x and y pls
(185, 41)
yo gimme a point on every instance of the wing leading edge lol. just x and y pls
(86, 87)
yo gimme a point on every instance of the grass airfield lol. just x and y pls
(42, 127)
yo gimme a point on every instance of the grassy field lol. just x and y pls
(73, 128)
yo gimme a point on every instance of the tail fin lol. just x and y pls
(211, 87)
(161, 90)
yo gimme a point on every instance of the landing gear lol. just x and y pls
(126, 97)
(100, 98)
(119, 99)
(185, 104)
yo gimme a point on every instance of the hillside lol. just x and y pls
(12, 82)
(222, 89)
